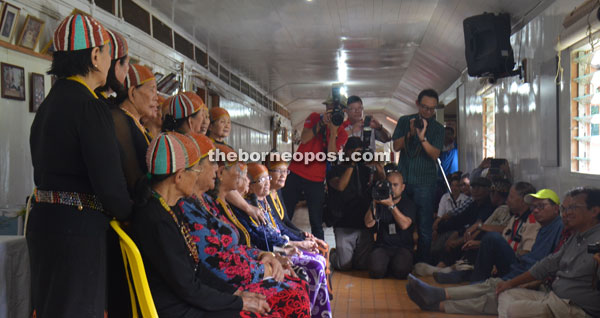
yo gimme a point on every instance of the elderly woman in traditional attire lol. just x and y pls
(78, 176)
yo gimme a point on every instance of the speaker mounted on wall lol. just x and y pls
(487, 46)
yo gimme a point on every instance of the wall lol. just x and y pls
(16, 175)
(250, 121)
(528, 133)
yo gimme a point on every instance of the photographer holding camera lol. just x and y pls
(420, 138)
(393, 222)
(358, 126)
(321, 133)
(348, 199)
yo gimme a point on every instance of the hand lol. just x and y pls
(501, 287)
(291, 250)
(597, 258)
(256, 214)
(421, 132)
(286, 264)
(412, 131)
(387, 202)
(375, 124)
(308, 236)
(277, 271)
(321, 243)
(306, 245)
(471, 245)
(254, 302)
(467, 237)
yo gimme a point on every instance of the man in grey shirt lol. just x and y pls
(575, 290)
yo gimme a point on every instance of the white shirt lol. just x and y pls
(446, 204)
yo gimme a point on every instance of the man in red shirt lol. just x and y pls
(319, 135)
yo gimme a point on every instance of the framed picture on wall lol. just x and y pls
(13, 81)
(30, 35)
(48, 49)
(38, 93)
(8, 21)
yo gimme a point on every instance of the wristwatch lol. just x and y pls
(424, 139)
(391, 207)
(479, 225)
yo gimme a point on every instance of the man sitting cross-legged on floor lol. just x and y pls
(501, 250)
(480, 298)
(575, 290)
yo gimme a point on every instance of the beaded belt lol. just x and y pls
(79, 200)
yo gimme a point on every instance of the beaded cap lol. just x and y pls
(170, 152)
(217, 112)
(79, 32)
(118, 45)
(138, 75)
(181, 106)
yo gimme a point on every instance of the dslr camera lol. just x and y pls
(419, 122)
(381, 190)
(337, 113)
(593, 248)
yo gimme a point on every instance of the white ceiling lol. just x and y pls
(393, 48)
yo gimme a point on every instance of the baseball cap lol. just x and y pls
(542, 194)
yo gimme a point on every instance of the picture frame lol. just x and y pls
(48, 49)
(32, 30)
(13, 81)
(37, 91)
(158, 76)
(8, 21)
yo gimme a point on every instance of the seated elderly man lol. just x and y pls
(481, 298)
(574, 291)
(502, 250)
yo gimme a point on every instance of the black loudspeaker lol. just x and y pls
(487, 45)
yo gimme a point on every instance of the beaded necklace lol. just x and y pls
(183, 229)
(266, 210)
(205, 206)
(277, 204)
(234, 219)
(138, 124)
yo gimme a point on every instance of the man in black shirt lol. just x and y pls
(349, 197)
(393, 221)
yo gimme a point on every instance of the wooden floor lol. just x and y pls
(356, 295)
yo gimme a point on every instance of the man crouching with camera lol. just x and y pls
(393, 221)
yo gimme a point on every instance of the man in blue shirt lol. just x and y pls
(481, 298)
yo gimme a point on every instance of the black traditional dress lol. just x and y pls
(76, 166)
(181, 285)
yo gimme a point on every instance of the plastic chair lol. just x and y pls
(134, 269)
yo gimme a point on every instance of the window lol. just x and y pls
(489, 126)
(585, 115)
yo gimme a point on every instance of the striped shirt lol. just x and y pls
(415, 165)
(521, 231)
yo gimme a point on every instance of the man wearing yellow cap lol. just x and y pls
(480, 298)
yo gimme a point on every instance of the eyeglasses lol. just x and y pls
(262, 179)
(565, 209)
(281, 171)
(426, 108)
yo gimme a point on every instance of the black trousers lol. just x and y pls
(315, 196)
(396, 261)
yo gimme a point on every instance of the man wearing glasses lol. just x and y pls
(420, 139)
(481, 298)
(354, 125)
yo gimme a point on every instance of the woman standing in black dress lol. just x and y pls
(78, 176)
